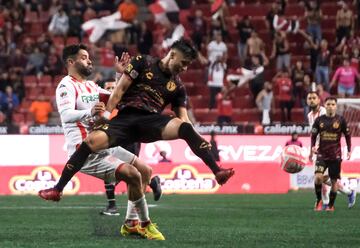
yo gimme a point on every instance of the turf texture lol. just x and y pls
(185, 220)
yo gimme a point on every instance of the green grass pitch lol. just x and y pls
(186, 221)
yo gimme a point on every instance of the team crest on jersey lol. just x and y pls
(129, 68)
(63, 94)
(336, 125)
(138, 57)
(171, 86)
(321, 124)
(149, 75)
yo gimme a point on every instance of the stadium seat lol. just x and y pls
(205, 115)
(30, 81)
(57, 79)
(72, 40)
(31, 17)
(45, 80)
(18, 118)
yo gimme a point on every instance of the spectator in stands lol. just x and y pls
(59, 24)
(129, 11)
(218, 27)
(322, 93)
(27, 46)
(344, 22)
(281, 51)
(8, 102)
(217, 50)
(15, 80)
(164, 159)
(355, 58)
(294, 140)
(18, 61)
(224, 107)
(145, 39)
(216, 76)
(257, 84)
(285, 88)
(53, 65)
(265, 103)
(75, 21)
(44, 42)
(320, 59)
(304, 90)
(313, 16)
(269, 19)
(348, 45)
(35, 64)
(107, 58)
(41, 109)
(245, 29)
(198, 24)
(255, 45)
(298, 74)
(214, 147)
(346, 77)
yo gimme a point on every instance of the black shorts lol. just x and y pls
(133, 125)
(334, 167)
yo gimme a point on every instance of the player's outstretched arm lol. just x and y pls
(115, 97)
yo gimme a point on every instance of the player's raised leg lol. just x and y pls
(177, 128)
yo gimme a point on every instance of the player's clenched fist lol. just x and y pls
(98, 109)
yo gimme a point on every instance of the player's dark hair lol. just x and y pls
(313, 92)
(71, 51)
(186, 48)
(331, 98)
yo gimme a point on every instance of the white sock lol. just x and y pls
(344, 189)
(325, 193)
(131, 213)
(142, 209)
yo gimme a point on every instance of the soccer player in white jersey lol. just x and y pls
(78, 102)
(317, 110)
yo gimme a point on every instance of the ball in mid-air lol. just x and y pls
(293, 159)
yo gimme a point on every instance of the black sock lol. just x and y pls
(73, 165)
(332, 198)
(318, 192)
(110, 194)
(198, 145)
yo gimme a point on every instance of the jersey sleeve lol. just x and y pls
(346, 131)
(181, 98)
(66, 104)
(135, 67)
(314, 132)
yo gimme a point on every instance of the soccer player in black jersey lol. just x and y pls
(148, 85)
(329, 127)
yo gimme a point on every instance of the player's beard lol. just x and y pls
(312, 108)
(84, 71)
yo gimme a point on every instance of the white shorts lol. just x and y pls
(103, 164)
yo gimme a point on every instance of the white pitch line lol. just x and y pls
(61, 207)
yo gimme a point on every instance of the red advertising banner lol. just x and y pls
(175, 178)
(233, 149)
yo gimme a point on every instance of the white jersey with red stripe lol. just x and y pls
(75, 100)
(313, 115)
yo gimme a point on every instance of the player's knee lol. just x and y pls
(134, 177)
(318, 178)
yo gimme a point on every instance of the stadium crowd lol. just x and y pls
(293, 40)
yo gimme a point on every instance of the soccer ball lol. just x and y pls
(293, 159)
